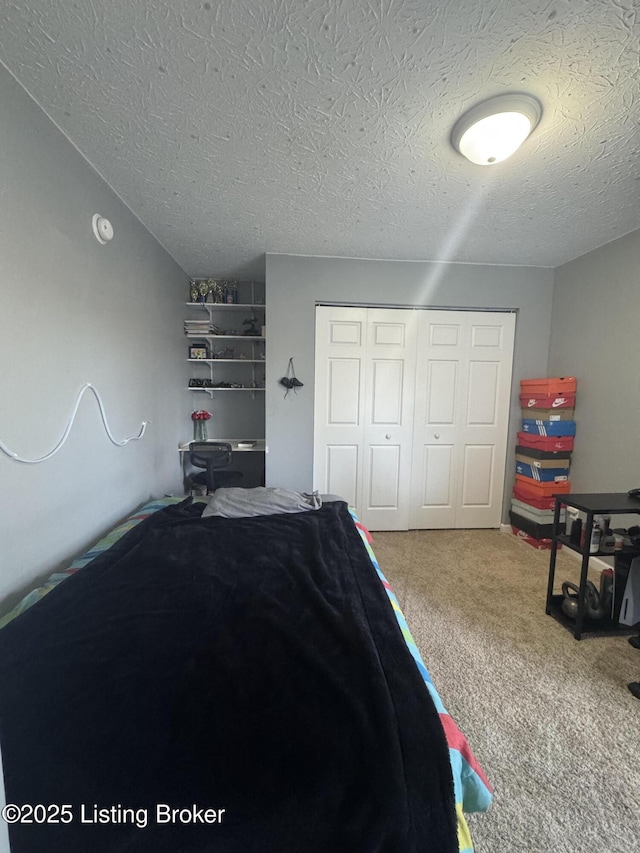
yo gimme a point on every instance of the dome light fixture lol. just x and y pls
(494, 129)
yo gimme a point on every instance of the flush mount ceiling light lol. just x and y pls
(493, 130)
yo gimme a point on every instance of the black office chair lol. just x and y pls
(215, 457)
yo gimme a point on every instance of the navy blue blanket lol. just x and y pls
(231, 685)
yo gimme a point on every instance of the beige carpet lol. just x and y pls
(549, 718)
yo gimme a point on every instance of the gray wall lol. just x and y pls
(73, 311)
(294, 284)
(594, 336)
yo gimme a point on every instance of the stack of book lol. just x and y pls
(543, 456)
(197, 328)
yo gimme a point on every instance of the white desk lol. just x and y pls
(259, 446)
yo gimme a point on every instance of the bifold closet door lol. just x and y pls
(412, 413)
(365, 380)
(463, 384)
(389, 386)
(341, 335)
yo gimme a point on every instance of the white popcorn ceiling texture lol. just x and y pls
(322, 127)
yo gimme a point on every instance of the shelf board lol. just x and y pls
(227, 360)
(208, 390)
(617, 503)
(590, 627)
(225, 337)
(626, 551)
(228, 306)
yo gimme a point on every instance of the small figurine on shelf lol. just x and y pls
(214, 291)
(194, 291)
(200, 418)
(251, 329)
(203, 290)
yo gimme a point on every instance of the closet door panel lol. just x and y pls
(436, 476)
(477, 475)
(342, 472)
(388, 425)
(339, 401)
(384, 477)
(343, 391)
(387, 384)
(463, 373)
(489, 342)
(440, 393)
(439, 414)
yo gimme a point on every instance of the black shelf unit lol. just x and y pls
(591, 504)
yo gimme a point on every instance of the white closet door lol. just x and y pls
(463, 382)
(365, 378)
(388, 418)
(411, 414)
(341, 335)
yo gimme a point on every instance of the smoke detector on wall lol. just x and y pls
(102, 228)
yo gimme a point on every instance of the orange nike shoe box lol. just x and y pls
(547, 401)
(542, 490)
(551, 443)
(524, 494)
(558, 386)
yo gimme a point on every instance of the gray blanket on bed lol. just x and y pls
(263, 500)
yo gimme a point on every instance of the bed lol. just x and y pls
(227, 684)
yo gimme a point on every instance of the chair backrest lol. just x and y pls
(211, 455)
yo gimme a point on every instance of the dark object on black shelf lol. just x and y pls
(634, 493)
(607, 579)
(634, 534)
(594, 607)
(570, 601)
(576, 531)
(607, 542)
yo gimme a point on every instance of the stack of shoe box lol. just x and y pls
(543, 456)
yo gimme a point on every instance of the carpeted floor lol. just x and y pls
(550, 718)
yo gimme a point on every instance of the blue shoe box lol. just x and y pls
(548, 427)
(542, 475)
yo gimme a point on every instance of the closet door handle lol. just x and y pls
(388, 435)
(436, 435)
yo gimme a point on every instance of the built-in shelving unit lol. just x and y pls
(228, 360)
(235, 367)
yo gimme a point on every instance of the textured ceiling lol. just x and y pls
(322, 127)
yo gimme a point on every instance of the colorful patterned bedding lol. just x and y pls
(106, 542)
(473, 792)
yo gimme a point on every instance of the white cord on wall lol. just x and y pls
(87, 386)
